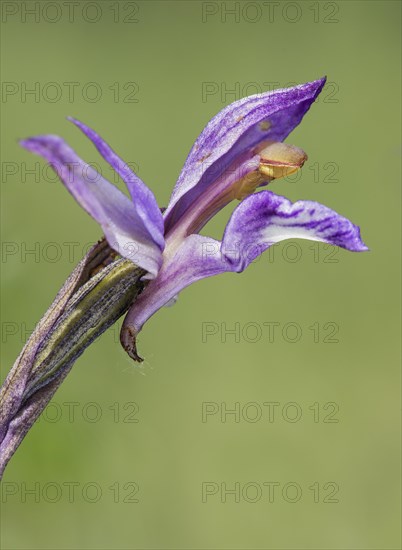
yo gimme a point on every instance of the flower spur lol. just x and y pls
(240, 150)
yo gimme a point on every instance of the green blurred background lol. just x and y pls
(150, 451)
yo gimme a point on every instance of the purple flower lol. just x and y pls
(240, 150)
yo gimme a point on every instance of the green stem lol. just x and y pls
(92, 299)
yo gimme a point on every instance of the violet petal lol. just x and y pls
(237, 128)
(143, 198)
(123, 227)
(198, 257)
(265, 218)
(259, 221)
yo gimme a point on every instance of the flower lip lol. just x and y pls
(258, 222)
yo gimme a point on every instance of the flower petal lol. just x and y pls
(198, 257)
(143, 198)
(123, 227)
(260, 221)
(264, 219)
(237, 128)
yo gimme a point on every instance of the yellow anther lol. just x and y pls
(280, 159)
(277, 160)
(248, 184)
